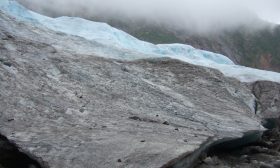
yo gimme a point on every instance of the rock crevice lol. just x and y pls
(11, 156)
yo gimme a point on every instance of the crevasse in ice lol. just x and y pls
(117, 39)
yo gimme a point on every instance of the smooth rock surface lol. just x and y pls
(76, 110)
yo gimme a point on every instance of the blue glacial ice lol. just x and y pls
(117, 40)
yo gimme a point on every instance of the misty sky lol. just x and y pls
(199, 15)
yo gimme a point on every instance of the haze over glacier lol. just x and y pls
(114, 40)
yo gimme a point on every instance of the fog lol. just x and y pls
(194, 15)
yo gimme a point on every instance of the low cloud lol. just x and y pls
(195, 15)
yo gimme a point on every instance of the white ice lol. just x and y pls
(118, 40)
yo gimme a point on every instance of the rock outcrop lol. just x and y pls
(267, 94)
(264, 152)
(75, 110)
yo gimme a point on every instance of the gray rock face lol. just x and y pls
(77, 110)
(267, 94)
(263, 153)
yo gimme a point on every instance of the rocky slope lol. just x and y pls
(253, 48)
(265, 152)
(64, 106)
(257, 49)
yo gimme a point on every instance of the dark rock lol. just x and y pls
(244, 157)
(124, 69)
(266, 165)
(165, 123)
(276, 164)
(135, 118)
(11, 119)
(13, 157)
(268, 95)
(7, 63)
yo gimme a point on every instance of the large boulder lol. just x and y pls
(77, 110)
(267, 107)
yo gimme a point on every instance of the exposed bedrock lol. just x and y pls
(76, 110)
(268, 98)
(256, 149)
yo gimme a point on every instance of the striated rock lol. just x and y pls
(77, 110)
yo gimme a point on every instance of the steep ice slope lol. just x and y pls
(115, 39)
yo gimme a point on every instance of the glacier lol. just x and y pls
(117, 40)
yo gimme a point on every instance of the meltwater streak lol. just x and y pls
(115, 39)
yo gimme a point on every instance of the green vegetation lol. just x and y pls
(260, 49)
(257, 47)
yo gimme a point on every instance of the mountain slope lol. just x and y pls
(253, 48)
(257, 49)
(115, 43)
(250, 46)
